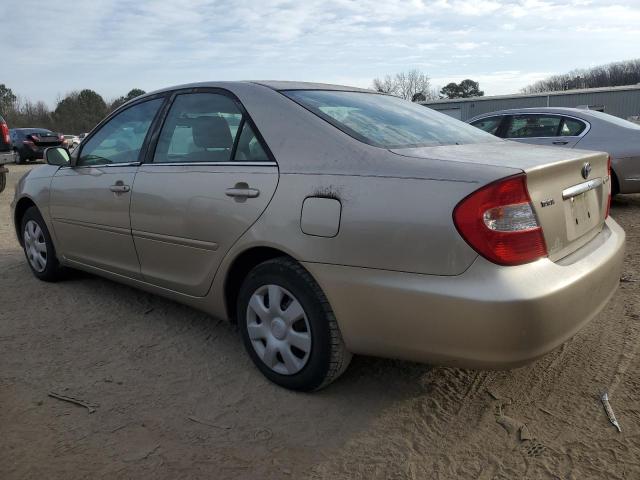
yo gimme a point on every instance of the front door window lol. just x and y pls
(120, 139)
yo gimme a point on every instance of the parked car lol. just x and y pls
(29, 143)
(570, 128)
(5, 152)
(71, 141)
(328, 221)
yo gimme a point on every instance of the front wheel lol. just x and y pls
(288, 327)
(17, 158)
(38, 247)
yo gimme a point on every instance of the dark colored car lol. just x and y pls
(30, 143)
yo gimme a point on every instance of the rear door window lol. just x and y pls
(533, 126)
(572, 127)
(204, 128)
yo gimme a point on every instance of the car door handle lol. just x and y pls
(242, 192)
(560, 142)
(119, 188)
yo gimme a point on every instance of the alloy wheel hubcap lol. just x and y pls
(35, 246)
(279, 329)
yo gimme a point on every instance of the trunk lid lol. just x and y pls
(570, 208)
(45, 140)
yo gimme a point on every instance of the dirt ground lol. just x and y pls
(176, 396)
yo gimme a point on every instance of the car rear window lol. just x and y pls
(386, 121)
(39, 131)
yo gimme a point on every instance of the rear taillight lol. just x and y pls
(4, 131)
(499, 223)
(610, 187)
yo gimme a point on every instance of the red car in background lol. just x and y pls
(5, 151)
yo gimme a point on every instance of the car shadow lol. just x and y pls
(623, 202)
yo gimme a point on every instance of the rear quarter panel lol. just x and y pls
(624, 147)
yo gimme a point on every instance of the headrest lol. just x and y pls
(211, 132)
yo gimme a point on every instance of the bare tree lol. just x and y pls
(611, 75)
(413, 85)
(385, 85)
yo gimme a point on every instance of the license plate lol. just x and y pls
(582, 214)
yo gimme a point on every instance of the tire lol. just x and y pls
(3, 181)
(36, 243)
(17, 157)
(615, 185)
(311, 367)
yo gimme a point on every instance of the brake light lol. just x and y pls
(4, 130)
(499, 223)
(610, 187)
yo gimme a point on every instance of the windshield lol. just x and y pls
(386, 121)
(615, 120)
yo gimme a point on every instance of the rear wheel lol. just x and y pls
(17, 158)
(288, 327)
(615, 186)
(38, 247)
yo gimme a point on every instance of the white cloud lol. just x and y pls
(114, 45)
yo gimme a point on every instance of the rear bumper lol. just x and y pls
(6, 157)
(488, 317)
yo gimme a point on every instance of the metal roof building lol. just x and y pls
(623, 102)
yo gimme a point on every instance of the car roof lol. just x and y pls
(277, 85)
(291, 85)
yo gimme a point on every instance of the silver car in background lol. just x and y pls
(573, 127)
(327, 221)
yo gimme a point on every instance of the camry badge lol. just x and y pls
(586, 170)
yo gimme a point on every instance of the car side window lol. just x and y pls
(531, 126)
(249, 148)
(121, 138)
(489, 124)
(202, 127)
(572, 127)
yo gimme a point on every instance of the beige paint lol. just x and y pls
(90, 221)
(184, 223)
(401, 280)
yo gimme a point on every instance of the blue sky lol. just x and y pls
(113, 46)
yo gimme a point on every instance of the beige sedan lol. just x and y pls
(328, 221)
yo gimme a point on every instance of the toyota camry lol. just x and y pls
(327, 221)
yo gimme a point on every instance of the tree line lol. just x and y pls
(76, 112)
(415, 86)
(610, 75)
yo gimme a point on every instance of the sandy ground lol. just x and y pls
(176, 397)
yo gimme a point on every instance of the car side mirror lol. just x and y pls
(57, 156)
